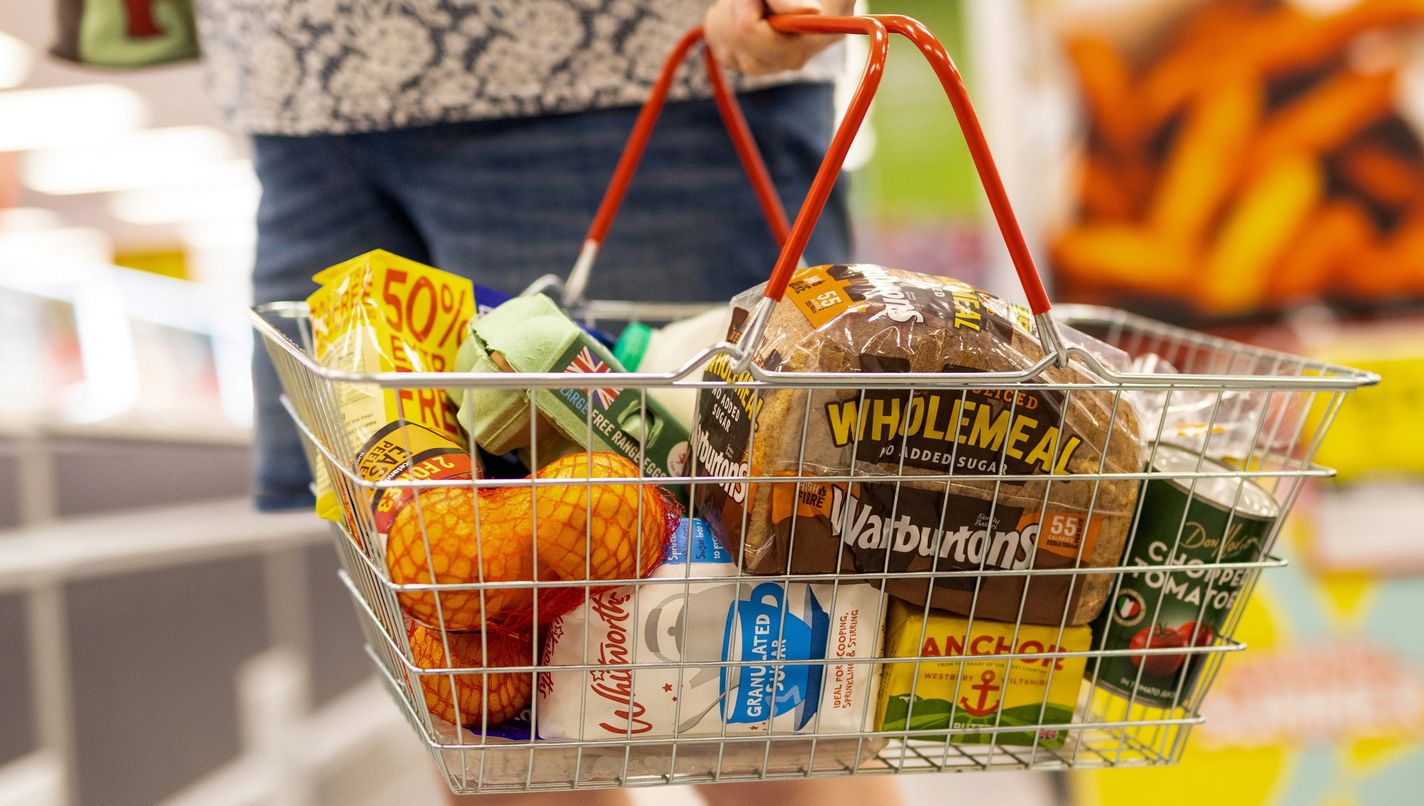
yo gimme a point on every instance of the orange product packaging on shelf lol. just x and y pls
(380, 313)
(1240, 156)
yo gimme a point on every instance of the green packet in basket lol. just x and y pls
(531, 334)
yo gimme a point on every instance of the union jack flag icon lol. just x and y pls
(586, 362)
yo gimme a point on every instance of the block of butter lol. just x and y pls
(981, 691)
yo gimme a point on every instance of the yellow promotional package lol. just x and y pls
(382, 313)
(979, 692)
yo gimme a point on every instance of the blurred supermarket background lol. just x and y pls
(1251, 167)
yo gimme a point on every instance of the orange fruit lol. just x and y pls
(588, 530)
(505, 694)
(597, 531)
(503, 552)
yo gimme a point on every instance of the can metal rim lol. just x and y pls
(1243, 495)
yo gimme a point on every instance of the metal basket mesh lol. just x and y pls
(1281, 407)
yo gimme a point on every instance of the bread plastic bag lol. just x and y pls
(1241, 426)
(864, 318)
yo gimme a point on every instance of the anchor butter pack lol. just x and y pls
(680, 625)
(981, 692)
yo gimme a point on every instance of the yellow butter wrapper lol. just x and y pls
(979, 691)
(383, 313)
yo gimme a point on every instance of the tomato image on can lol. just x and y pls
(1158, 637)
(1215, 521)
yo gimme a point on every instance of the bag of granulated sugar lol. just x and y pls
(673, 626)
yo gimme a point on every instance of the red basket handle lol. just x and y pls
(742, 141)
(953, 83)
(878, 27)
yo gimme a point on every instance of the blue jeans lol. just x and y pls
(506, 201)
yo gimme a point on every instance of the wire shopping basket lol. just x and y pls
(701, 672)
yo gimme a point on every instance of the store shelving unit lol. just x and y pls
(160, 641)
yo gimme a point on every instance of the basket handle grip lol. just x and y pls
(742, 141)
(878, 27)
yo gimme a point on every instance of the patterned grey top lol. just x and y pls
(336, 66)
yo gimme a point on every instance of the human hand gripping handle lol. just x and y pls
(741, 36)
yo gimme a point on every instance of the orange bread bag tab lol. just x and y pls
(382, 313)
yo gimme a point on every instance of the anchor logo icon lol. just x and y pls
(985, 686)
